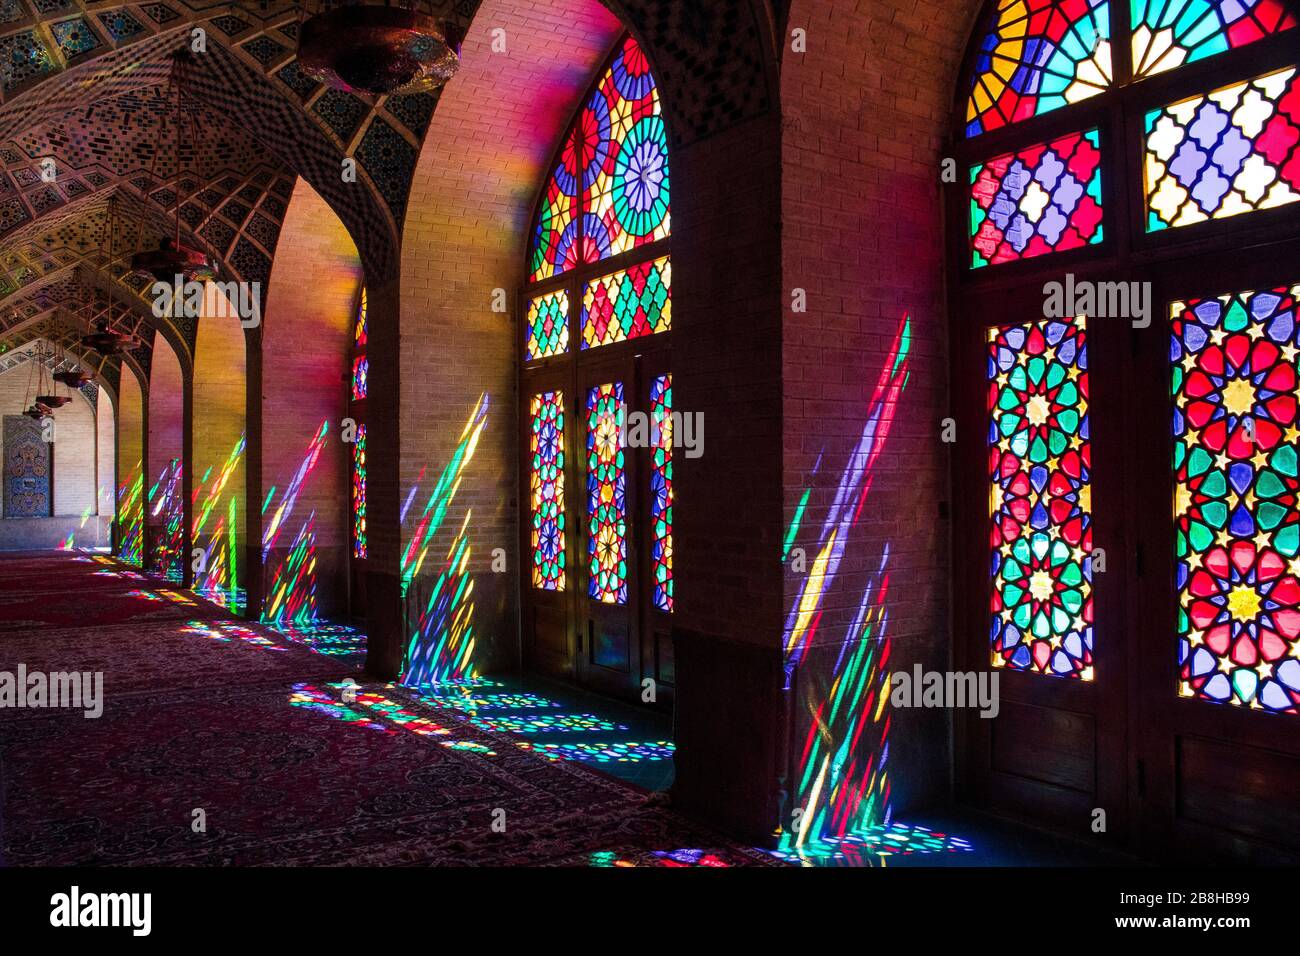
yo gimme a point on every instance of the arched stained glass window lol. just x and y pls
(596, 401)
(608, 191)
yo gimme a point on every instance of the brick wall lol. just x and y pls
(865, 113)
(219, 421)
(74, 442)
(105, 430)
(130, 444)
(74, 458)
(472, 199)
(307, 340)
(166, 429)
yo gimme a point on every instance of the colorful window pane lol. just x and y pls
(661, 492)
(1039, 55)
(1228, 152)
(606, 494)
(555, 235)
(625, 305)
(1169, 33)
(1235, 389)
(360, 331)
(1046, 198)
(359, 547)
(625, 159)
(546, 445)
(360, 370)
(1040, 498)
(548, 326)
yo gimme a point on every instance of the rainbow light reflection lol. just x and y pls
(836, 790)
(168, 550)
(441, 646)
(219, 577)
(291, 597)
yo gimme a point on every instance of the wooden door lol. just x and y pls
(1217, 620)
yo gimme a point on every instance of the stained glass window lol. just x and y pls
(1169, 33)
(1045, 198)
(606, 495)
(661, 492)
(360, 370)
(546, 445)
(360, 330)
(1040, 498)
(360, 374)
(359, 547)
(1037, 56)
(555, 236)
(548, 325)
(625, 305)
(609, 191)
(624, 158)
(1235, 389)
(1231, 151)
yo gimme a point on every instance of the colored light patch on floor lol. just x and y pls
(227, 632)
(334, 640)
(620, 752)
(474, 702)
(669, 858)
(545, 723)
(874, 846)
(372, 710)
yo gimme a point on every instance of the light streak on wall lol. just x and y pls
(218, 577)
(839, 783)
(165, 501)
(69, 542)
(130, 517)
(291, 598)
(441, 645)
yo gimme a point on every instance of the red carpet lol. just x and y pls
(203, 712)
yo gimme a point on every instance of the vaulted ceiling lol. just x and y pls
(88, 140)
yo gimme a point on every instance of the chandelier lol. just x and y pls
(172, 257)
(379, 50)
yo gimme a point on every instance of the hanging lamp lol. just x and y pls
(174, 258)
(379, 50)
(102, 334)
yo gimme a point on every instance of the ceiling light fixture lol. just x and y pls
(379, 50)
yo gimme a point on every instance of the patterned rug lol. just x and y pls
(223, 743)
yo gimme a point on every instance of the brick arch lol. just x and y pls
(473, 196)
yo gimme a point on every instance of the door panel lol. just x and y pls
(545, 533)
(1218, 750)
(1040, 566)
(608, 661)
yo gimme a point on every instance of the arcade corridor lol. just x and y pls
(586, 434)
